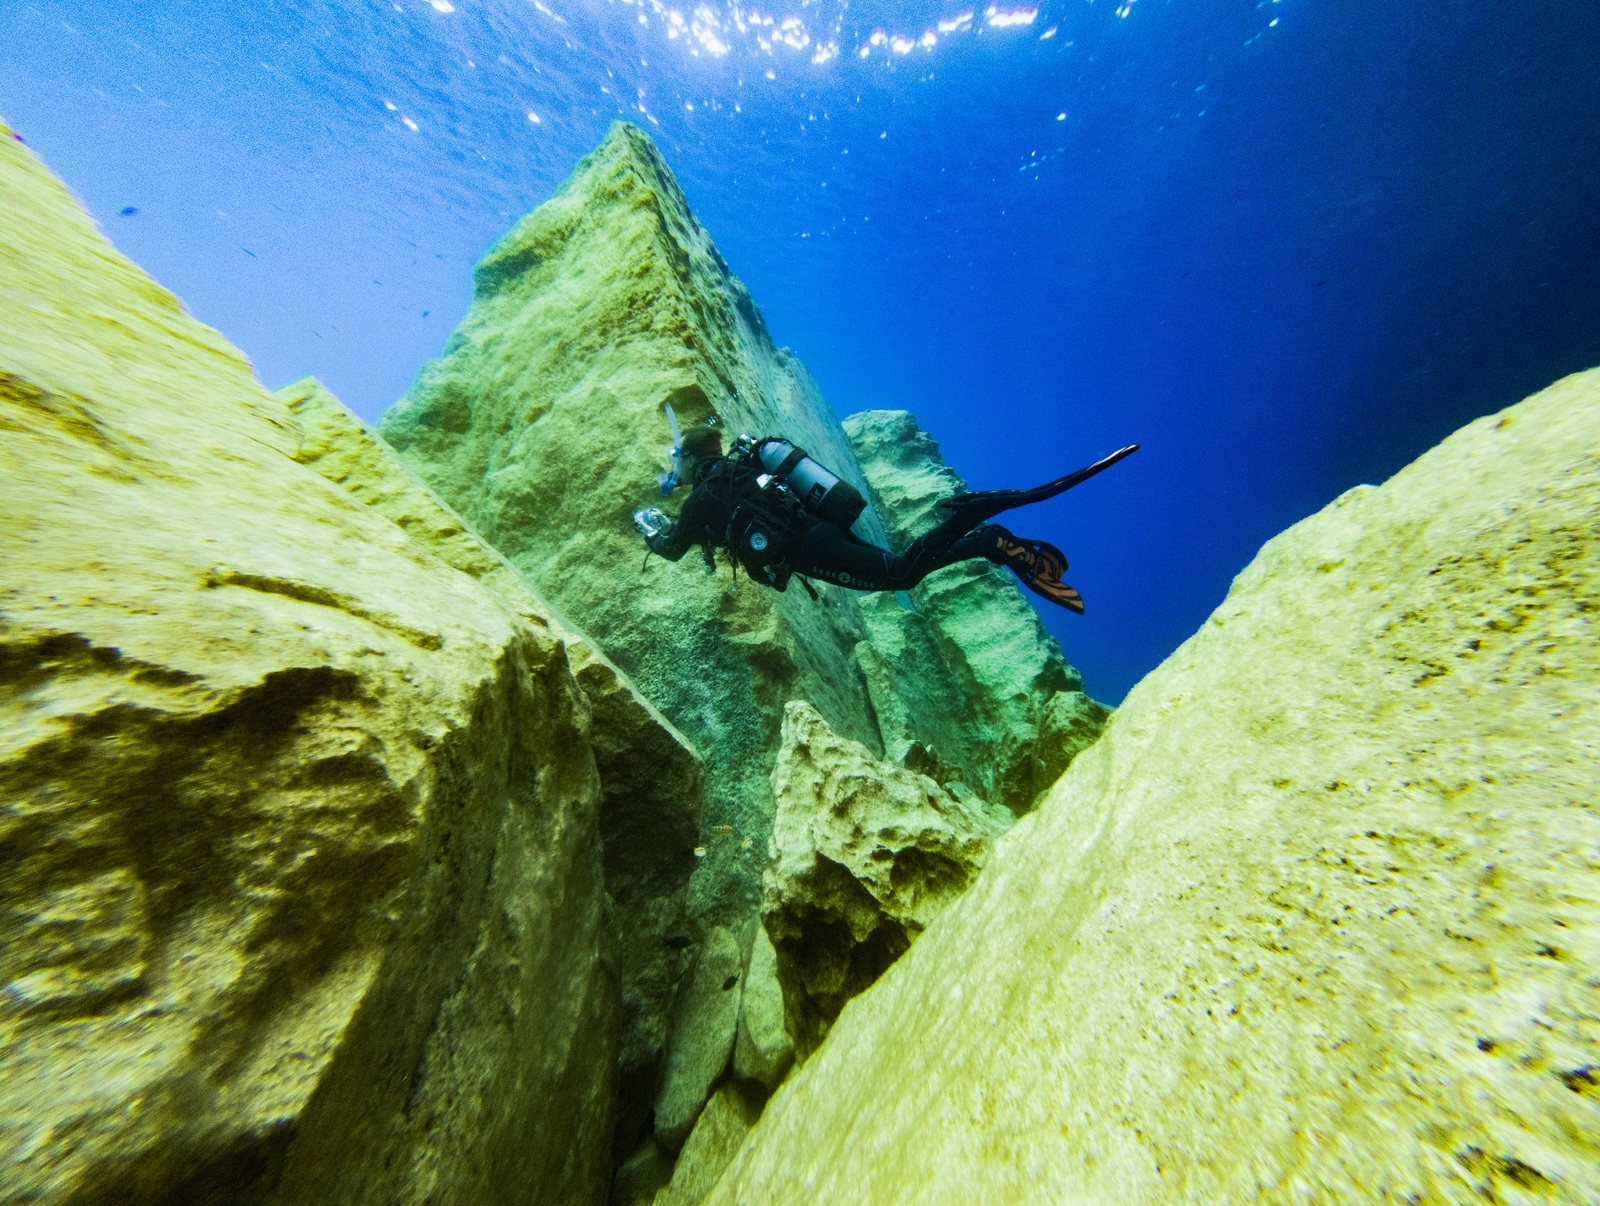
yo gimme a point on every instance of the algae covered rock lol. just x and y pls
(650, 777)
(865, 854)
(711, 1147)
(705, 1022)
(302, 874)
(763, 1051)
(1316, 919)
(973, 637)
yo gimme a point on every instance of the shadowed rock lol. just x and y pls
(704, 1023)
(865, 855)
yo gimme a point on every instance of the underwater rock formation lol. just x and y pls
(303, 887)
(650, 777)
(973, 637)
(1317, 917)
(722, 1127)
(763, 1051)
(864, 855)
(704, 1026)
(543, 426)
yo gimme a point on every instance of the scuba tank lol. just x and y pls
(822, 493)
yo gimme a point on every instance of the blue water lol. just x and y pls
(1285, 245)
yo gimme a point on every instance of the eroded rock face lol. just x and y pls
(651, 779)
(1316, 918)
(973, 637)
(864, 855)
(302, 873)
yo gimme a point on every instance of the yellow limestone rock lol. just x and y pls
(301, 895)
(1318, 917)
(864, 855)
(722, 1127)
(651, 779)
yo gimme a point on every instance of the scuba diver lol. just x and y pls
(779, 513)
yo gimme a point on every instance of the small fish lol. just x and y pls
(724, 830)
(677, 942)
(699, 851)
(745, 845)
(730, 982)
(127, 211)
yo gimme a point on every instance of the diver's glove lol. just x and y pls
(653, 524)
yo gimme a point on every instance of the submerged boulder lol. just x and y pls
(711, 1147)
(704, 1025)
(1317, 916)
(302, 894)
(763, 1051)
(543, 424)
(864, 855)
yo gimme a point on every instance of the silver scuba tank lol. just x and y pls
(822, 492)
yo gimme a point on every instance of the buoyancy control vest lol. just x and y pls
(771, 492)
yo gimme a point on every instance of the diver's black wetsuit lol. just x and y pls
(814, 548)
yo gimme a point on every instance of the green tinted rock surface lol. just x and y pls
(1317, 919)
(973, 638)
(543, 426)
(722, 1127)
(704, 1024)
(764, 1051)
(299, 822)
(864, 855)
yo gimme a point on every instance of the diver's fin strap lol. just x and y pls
(984, 504)
(810, 590)
(1038, 563)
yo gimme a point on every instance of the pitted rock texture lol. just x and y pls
(302, 873)
(864, 855)
(1315, 920)
(651, 779)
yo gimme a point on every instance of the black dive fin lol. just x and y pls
(980, 505)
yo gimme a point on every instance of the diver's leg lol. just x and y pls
(834, 555)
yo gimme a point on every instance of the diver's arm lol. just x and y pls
(671, 544)
(667, 537)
